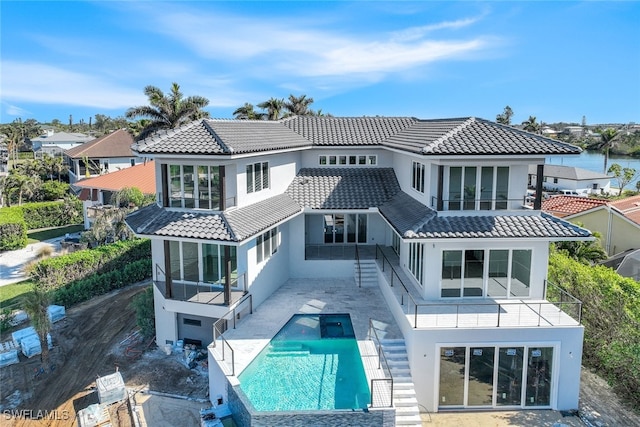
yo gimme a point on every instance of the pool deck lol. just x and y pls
(311, 296)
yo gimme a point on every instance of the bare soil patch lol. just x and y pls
(94, 340)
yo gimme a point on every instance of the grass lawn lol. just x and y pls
(11, 294)
(51, 233)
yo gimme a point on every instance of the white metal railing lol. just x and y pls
(563, 309)
(385, 384)
(222, 324)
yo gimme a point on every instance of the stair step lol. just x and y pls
(413, 420)
(403, 393)
(404, 401)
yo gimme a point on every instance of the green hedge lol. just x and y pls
(51, 214)
(13, 229)
(53, 273)
(611, 319)
(97, 284)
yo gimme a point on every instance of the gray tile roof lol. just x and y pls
(222, 137)
(499, 226)
(250, 220)
(568, 172)
(235, 225)
(153, 220)
(406, 214)
(461, 136)
(472, 136)
(323, 130)
(343, 188)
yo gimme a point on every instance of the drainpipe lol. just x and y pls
(537, 203)
(609, 227)
(227, 275)
(167, 271)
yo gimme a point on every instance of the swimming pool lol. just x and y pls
(313, 363)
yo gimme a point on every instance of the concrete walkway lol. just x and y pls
(12, 263)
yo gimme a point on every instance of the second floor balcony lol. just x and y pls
(559, 309)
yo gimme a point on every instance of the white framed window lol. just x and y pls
(416, 261)
(494, 273)
(201, 262)
(267, 244)
(350, 160)
(192, 186)
(477, 188)
(417, 178)
(257, 177)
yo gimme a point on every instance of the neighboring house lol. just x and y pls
(626, 264)
(617, 222)
(106, 154)
(243, 206)
(582, 181)
(96, 193)
(576, 131)
(56, 143)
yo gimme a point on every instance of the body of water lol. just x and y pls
(594, 161)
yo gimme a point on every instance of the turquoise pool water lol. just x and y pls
(313, 363)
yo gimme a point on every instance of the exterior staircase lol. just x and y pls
(368, 272)
(404, 395)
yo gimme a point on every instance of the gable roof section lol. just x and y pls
(348, 131)
(218, 137)
(562, 206)
(59, 137)
(153, 220)
(481, 137)
(630, 208)
(142, 176)
(501, 226)
(568, 172)
(462, 136)
(233, 226)
(115, 144)
(343, 188)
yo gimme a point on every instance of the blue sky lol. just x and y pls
(558, 61)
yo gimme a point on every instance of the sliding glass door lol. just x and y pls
(487, 376)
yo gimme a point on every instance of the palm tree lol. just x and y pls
(247, 112)
(531, 125)
(36, 303)
(505, 117)
(168, 111)
(607, 138)
(24, 185)
(273, 106)
(298, 105)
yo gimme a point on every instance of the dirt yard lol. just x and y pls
(96, 338)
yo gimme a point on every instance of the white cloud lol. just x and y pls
(256, 45)
(46, 84)
(14, 110)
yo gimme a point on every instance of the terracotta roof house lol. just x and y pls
(55, 143)
(582, 181)
(617, 222)
(426, 215)
(96, 193)
(106, 154)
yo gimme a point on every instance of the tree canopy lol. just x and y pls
(167, 111)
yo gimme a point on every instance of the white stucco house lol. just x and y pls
(245, 205)
(55, 143)
(578, 180)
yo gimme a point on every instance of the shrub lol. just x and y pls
(145, 316)
(52, 214)
(97, 284)
(6, 317)
(53, 273)
(52, 190)
(13, 229)
(611, 319)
